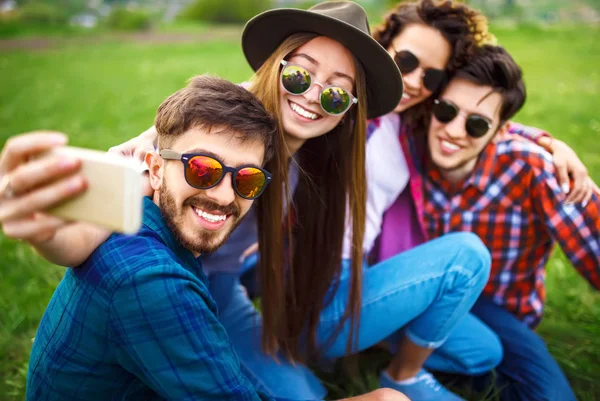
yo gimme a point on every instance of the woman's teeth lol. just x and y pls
(450, 145)
(302, 112)
(213, 218)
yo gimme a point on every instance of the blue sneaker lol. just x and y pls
(423, 387)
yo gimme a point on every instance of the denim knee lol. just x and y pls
(473, 250)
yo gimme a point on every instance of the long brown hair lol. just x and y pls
(295, 283)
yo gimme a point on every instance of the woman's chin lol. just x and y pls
(400, 108)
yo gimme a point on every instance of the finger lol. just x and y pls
(42, 199)
(121, 150)
(147, 189)
(580, 186)
(563, 175)
(39, 172)
(589, 192)
(595, 188)
(19, 148)
(249, 251)
(576, 195)
(140, 154)
(39, 227)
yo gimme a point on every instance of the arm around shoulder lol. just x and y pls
(574, 226)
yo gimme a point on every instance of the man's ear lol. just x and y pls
(501, 132)
(155, 169)
(503, 129)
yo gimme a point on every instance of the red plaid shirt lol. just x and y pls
(514, 203)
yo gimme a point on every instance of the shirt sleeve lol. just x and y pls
(574, 227)
(531, 133)
(168, 336)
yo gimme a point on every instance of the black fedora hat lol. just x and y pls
(343, 21)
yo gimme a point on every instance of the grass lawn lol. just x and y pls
(104, 93)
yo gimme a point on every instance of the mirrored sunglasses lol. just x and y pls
(297, 80)
(204, 171)
(475, 125)
(407, 62)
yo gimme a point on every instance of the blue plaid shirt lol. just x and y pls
(135, 322)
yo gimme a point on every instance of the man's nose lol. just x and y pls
(456, 128)
(223, 193)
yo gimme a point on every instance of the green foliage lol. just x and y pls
(306, 4)
(34, 17)
(125, 19)
(231, 11)
(41, 14)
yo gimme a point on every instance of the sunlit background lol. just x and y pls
(97, 70)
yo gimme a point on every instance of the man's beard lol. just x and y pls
(203, 241)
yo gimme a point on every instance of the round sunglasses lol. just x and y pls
(407, 62)
(297, 80)
(204, 171)
(475, 125)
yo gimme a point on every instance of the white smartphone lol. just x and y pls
(113, 198)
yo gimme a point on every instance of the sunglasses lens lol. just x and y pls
(203, 172)
(250, 182)
(477, 126)
(432, 79)
(335, 100)
(406, 61)
(295, 79)
(444, 111)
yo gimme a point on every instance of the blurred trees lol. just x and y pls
(128, 19)
(230, 11)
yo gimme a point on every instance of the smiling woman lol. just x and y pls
(302, 114)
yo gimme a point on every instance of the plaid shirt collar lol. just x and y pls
(479, 178)
(154, 221)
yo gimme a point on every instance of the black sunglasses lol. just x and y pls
(204, 171)
(407, 62)
(475, 125)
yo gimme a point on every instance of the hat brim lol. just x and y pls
(265, 32)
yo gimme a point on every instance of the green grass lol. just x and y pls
(104, 93)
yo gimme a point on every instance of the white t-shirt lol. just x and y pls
(387, 176)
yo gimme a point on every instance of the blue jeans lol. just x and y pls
(243, 325)
(422, 293)
(425, 292)
(527, 372)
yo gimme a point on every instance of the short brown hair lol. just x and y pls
(493, 66)
(209, 101)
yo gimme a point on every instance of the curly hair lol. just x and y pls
(463, 27)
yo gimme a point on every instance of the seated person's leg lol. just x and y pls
(472, 349)
(243, 325)
(527, 371)
(426, 291)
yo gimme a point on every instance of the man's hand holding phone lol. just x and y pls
(38, 174)
(28, 186)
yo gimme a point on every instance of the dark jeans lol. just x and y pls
(527, 371)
